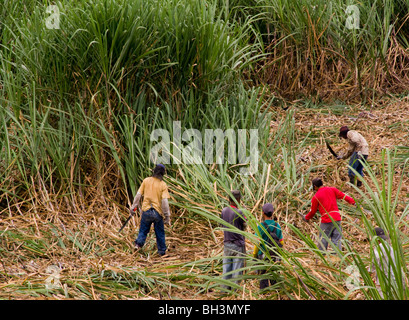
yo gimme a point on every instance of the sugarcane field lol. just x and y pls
(204, 150)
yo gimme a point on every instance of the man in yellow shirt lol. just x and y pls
(155, 208)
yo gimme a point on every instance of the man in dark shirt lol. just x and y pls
(234, 243)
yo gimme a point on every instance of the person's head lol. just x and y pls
(236, 195)
(317, 183)
(380, 233)
(343, 132)
(159, 171)
(268, 210)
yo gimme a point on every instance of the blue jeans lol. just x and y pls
(148, 217)
(356, 164)
(233, 259)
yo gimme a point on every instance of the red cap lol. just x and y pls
(343, 130)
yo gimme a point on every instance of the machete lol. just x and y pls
(330, 149)
(127, 220)
(301, 215)
(367, 211)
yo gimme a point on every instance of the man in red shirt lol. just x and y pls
(325, 200)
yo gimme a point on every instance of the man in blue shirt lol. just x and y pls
(268, 226)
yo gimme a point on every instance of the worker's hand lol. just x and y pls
(339, 157)
(167, 221)
(133, 208)
(303, 217)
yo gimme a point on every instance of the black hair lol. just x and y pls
(268, 214)
(236, 194)
(343, 131)
(158, 172)
(343, 134)
(317, 182)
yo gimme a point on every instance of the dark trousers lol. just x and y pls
(356, 162)
(267, 282)
(148, 218)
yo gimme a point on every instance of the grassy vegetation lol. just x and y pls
(78, 105)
